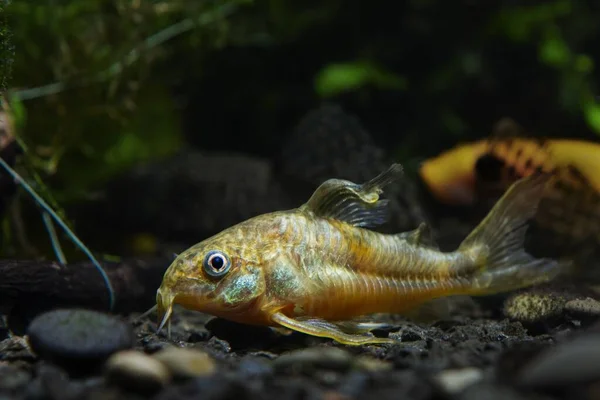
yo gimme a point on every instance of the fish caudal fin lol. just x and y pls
(497, 244)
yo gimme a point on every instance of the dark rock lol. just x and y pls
(516, 357)
(240, 336)
(3, 329)
(355, 384)
(251, 367)
(12, 378)
(220, 386)
(490, 392)
(573, 362)
(330, 143)
(399, 385)
(316, 357)
(78, 338)
(411, 335)
(55, 382)
(190, 195)
(51, 382)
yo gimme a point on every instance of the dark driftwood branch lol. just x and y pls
(30, 287)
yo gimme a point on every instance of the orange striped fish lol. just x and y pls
(567, 222)
(458, 176)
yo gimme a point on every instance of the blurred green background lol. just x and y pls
(98, 86)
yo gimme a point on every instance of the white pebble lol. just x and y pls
(456, 380)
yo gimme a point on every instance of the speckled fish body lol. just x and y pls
(308, 268)
(455, 176)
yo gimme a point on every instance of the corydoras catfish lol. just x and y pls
(316, 268)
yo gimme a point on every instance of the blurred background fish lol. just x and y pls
(474, 175)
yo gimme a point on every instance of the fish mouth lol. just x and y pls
(201, 300)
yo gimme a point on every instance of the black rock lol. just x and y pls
(78, 338)
(185, 198)
(254, 368)
(574, 362)
(12, 378)
(329, 142)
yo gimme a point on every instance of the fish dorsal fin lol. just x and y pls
(355, 204)
(422, 236)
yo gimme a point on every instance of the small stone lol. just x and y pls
(325, 357)
(16, 348)
(12, 378)
(136, 371)
(254, 367)
(491, 391)
(186, 362)
(410, 335)
(73, 336)
(587, 306)
(371, 364)
(456, 380)
(569, 363)
(532, 306)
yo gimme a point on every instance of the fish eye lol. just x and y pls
(216, 263)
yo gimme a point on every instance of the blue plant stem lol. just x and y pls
(54, 238)
(60, 222)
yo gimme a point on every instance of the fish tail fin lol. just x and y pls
(497, 244)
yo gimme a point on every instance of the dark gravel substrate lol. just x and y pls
(464, 357)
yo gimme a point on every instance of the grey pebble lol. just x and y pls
(586, 306)
(254, 367)
(76, 335)
(372, 364)
(456, 380)
(12, 378)
(490, 391)
(573, 362)
(136, 371)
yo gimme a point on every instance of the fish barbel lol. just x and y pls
(316, 268)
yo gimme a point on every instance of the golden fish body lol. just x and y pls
(327, 269)
(309, 268)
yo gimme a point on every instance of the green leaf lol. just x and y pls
(336, 78)
(592, 115)
(584, 63)
(554, 51)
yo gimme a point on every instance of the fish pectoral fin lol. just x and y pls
(355, 204)
(422, 236)
(281, 330)
(356, 327)
(322, 328)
